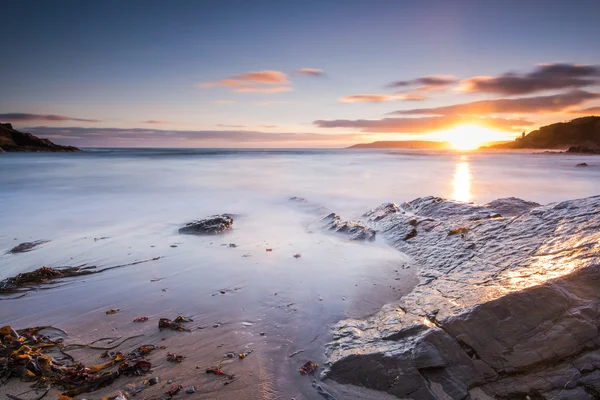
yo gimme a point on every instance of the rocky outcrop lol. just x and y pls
(508, 304)
(582, 150)
(208, 226)
(353, 230)
(12, 140)
(27, 246)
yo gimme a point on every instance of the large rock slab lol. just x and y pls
(208, 226)
(508, 304)
(353, 230)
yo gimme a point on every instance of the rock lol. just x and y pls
(27, 246)
(582, 165)
(582, 150)
(12, 140)
(354, 230)
(516, 314)
(208, 226)
(298, 199)
(190, 390)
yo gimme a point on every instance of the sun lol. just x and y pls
(470, 137)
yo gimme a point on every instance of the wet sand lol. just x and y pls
(273, 304)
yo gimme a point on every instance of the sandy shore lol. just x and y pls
(241, 299)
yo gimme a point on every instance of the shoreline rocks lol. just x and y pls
(507, 309)
(12, 140)
(354, 230)
(212, 225)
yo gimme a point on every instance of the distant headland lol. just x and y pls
(402, 144)
(12, 140)
(581, 135)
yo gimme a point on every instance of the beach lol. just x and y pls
(245, 290)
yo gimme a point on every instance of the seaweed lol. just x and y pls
(25, 354)
(46, 276)
(166, 323)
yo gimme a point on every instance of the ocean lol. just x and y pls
(109, 207)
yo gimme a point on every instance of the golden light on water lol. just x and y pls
(462, 181)
(470, 137)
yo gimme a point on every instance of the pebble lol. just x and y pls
(190, 390)
(170, 381)
(216, 325)
(262, 334)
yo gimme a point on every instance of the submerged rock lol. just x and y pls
(354, 230)
(208, 226)
(27, 246)
(509, 310)
(582, 165)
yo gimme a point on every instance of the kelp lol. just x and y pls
(166, 323)
(46, 275)
(25, 354)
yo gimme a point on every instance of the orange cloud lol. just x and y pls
(379, 98)
(310, 71)
(263, 89)
(589, 110)
(423, 124)
(255, 81)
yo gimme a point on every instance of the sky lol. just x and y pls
(293, 73)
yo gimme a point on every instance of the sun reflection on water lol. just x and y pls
(462, 181)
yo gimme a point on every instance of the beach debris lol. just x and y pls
(268, 250)
(297, 255)
(152, 381)
(26, 354)
(230, 245)
(222, 291)
(173, 245)
(112, 311)
(462, 230)
(216, 325)
(101, 238)
(262, 334)
(141, 319)
(208, 226)
(308, 368)
(247, 323)
(175, 358)
(298, 199)
(165, 323)
(244, 355)
(215, 370)
(174, 390)
(46, 275)
(295, 353)
(190, 390)
(27, 246)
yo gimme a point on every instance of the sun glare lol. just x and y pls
(470, 137)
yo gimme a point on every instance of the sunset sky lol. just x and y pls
(294, 73)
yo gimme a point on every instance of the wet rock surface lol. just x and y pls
(208, 226)
(354, 230)
(508, 308)
(27, 246)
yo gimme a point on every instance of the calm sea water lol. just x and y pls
(137, 199)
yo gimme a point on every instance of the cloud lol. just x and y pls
(247, 126)
(263, 89)
(156, 122)
(256, 81)
(544, 77)
(379, 98)
(539, 104)
(589, 110)
(426, 83)
(310, 72)
(139, 137)
(23, 117)
(224, 102)
(422, 124)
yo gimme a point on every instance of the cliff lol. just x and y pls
(508, 304)
(12, 140)
(579, 132)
